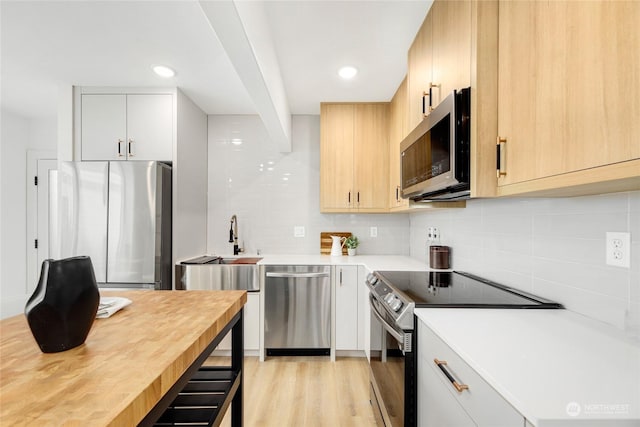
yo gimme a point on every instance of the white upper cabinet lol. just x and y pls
(127, 126)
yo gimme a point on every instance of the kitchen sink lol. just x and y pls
(219, 273)
(237, 261)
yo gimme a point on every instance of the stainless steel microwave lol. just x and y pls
(435, 156)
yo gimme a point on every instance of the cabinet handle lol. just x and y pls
(120, 147)
(340, 277)
(397, 193)
(349, 197)
(358, 197)
(424, 102)
(501, 156)
(459, 387)
(428, 109)
(129, 144)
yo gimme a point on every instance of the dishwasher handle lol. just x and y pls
(297, 275)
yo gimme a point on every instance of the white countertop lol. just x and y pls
(544, 362)
(371, 262)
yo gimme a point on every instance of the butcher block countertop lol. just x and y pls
(126, 365)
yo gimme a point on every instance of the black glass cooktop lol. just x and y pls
(457, 289)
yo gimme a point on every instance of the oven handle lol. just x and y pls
(400, 337)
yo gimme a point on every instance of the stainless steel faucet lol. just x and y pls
(233, 235)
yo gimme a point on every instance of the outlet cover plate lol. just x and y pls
(298, 231)
(618, 249)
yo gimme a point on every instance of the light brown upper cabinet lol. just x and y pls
(419, 74)
(451, 34)
(439, 59)
(457, 47)
(568, 97)
(354, 168)
(398, 125)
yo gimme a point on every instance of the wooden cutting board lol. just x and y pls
(326, 242)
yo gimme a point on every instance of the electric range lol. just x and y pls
(394, 295)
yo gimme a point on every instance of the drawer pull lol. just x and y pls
(459, 387)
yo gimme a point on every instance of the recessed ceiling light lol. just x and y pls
(347, 72)
(163, 71)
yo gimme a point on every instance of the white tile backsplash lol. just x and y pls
(554, 248)
(550, 247)
(271, 192)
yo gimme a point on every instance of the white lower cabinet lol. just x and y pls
(346, 283)
(251, 332)
(440, 404)
(364, 313)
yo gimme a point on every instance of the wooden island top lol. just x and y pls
(127, 364)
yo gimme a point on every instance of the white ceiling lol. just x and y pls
(49, 44)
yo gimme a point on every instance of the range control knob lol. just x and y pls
(396, 304)
(371, 279)
(389, 298)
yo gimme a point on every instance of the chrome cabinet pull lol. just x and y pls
(441, 364)
(130, 143)
(340, 277)
(119, 142)
(501, 156)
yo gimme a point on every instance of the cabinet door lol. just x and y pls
(336, 156)
(419, 74)
(150, 127)
(451, 33)
(251, 317)
(436, 406)
(568, 86)
(371, 164)
(397, 132)
(346, 282)
(104, 127)
(251, 324)
(363, 313)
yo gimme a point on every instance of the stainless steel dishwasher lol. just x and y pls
(297, 310)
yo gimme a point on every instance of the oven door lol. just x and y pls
(392, 370)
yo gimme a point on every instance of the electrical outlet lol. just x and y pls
(433, 234)
(373, 231)
(298, 231)
(618, 249)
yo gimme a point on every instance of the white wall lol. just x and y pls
(18, 135)
(554, 248)
(269, 203)
(189, 178)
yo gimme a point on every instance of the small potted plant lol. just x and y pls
(351, 243)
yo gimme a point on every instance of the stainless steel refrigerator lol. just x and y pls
(119, 214)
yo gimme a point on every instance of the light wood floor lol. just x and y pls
(305, 391)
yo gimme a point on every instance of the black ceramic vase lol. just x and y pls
(63, 307)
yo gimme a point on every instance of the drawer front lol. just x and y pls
(483, 404)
